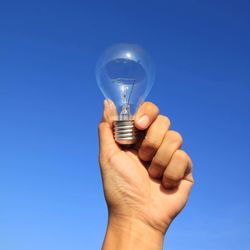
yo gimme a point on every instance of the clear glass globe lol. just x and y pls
(125, 74)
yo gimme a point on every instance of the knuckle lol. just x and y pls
(101, 126)
(175, 136)
(151, 107)
(150, 142)
(190, 163)
(148, 148)
(158, 161)
(165, 120)
(181, 156)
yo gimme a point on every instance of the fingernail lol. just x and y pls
(105, 110)
(105, 104)
(143, 122)
(155, 171)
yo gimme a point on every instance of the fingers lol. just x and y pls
(179, 167)
(154, 138)
(160, 147)
(109, 112)
(171, 142)
(107, 143)
(105, 135)
(146, 114)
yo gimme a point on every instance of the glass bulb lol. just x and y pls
(125, 74)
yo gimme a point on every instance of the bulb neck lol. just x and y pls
(125, 132)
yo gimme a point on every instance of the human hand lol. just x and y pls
(145, 188)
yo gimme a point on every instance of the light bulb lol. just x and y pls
(125, 74)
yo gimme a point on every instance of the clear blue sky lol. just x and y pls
(50, 187)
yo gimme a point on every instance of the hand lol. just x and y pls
(145, 188)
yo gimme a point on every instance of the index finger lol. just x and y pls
(145, 115)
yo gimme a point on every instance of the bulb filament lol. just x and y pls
(126, 87)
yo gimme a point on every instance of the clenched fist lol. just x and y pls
(145, 186)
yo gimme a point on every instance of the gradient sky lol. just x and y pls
(50, 187)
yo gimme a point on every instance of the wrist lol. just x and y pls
(130, 233)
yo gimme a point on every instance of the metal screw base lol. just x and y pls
(125, 132)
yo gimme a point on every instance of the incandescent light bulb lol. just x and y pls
(125, 74)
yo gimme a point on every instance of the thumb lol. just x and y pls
(107, 144)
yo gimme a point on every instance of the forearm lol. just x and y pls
(128, 234)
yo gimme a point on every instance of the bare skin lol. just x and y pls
(146, 186)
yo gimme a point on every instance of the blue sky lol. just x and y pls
(50, 187)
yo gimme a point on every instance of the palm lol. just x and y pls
(131, 187)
